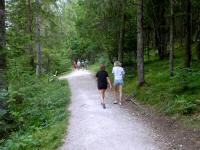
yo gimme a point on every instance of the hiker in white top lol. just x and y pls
(78, 64)
(118, 72)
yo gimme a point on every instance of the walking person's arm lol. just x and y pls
(96, 76)
(110, 85)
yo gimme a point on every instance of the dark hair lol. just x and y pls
(102, 67)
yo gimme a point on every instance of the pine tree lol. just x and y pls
(140, 43)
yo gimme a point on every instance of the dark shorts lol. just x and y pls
(102, 86)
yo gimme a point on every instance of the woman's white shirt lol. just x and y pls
(118, 73)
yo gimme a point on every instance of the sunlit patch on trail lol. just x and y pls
(75, 73)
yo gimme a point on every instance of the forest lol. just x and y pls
(157, 41)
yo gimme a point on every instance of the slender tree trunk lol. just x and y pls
(38, 41)
(160, 27)
(148, 45)
(171, 57)
(3, 84)
(140, 43)
(198, 51)
(198, 44)
(121, 34)
(30, 30)
(2, 26)
(188, 52)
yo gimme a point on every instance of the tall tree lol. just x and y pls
(121, 31)
(160, 29)
(30, 31)
(198, 50)
(38, 40)
(188, 51)
(140, 43)
(3, 82)
(2, 45)
(171, 57)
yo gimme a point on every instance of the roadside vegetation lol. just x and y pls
(39, 115)
(33, 52)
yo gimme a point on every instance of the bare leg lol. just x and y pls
(103, 98)
(102, 93)
(120, 94)
(115, 93)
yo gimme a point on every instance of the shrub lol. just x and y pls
(185, 77)
(37, 106)
(181, 105)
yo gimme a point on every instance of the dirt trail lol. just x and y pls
(94, 128)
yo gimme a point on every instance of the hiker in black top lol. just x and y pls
(102, 83)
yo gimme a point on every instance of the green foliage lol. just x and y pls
(97, 28)
(182, 105)
(177, 95)
(4, 113)
(185, 77)
(33, 104)
(39, 110)
(103, 59)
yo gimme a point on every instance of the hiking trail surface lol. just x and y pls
(115, 128)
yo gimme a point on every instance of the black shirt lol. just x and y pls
(102, 79)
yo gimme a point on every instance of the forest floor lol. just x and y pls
(130, 126)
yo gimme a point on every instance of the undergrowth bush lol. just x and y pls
(182, 105)
(37, 106)
(186, 78)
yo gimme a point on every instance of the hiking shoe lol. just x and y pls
(104, 106)
(115, 102)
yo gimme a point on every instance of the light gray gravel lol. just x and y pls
(94, 128)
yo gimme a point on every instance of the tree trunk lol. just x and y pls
(197, 39)
(148, 44)
(160, 28)
(198, 51)
(38, 41)
(121, 34)
(171, 57)
(3, 81)
(140, 43)
(30, 30)
(3, 84)
(188, 52)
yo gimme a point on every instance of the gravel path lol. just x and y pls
(94, 128)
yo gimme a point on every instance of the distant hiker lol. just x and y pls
(82, 64)
(74, 65)
(102, 83)
(86, 64)
(118, 72)
(78, 64)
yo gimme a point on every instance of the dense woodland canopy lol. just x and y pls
(40, 38)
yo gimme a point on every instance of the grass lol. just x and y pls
(39, 110)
